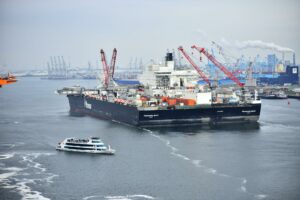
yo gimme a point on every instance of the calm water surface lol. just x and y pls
(258, 161)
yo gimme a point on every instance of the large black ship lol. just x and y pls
(168, 99)
(169, 116)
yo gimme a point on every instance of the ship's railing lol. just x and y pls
(94, 96)
(90, 92)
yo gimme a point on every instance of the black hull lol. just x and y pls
(81, 105)
(272, 97)
(293, 97)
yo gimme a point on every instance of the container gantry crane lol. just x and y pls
(219, 65)
(221, 51)
(202, 75)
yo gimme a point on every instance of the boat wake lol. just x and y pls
(6, 156)
(198, 163)
(8, 146)
(119, 197)
(7, 122)
(279, 125)
(20, 179)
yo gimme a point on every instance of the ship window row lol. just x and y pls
(80, 140)
(85, 145)
(95, 138)
(79, 148)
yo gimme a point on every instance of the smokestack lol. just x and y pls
(282, 57)
(294, 59)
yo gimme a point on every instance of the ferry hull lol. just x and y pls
(109, 152)
(81, 105)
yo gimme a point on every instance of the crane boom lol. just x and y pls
(108, 70)
(105, 68)
(202, 75)
(219, 65)
(113, 62)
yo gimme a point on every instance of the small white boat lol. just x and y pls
(89, 145)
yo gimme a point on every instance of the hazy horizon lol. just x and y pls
(32, 30)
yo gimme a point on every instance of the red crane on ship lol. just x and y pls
(219, 65)
(108, 70)
(113, 62)
(201, 73)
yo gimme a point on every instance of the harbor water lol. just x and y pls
(250, 161)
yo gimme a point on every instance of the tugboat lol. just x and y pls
(274, 95)
(89, 145)
(7, 80)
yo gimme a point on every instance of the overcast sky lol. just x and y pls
(33, 30)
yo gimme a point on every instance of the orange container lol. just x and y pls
(190, 102)
(180, 100)
(186, 102)
(164, 99)
(172, 102)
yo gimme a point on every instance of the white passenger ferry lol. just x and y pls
(89, 145)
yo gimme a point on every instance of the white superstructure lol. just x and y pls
(165, 75)
(89, 145)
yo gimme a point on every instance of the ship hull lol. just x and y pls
(273, 97)
(82, 105)
(104, 152)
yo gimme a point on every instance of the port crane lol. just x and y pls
(201, 73)
(108, 70)
(221, 51)
(228, 57)
(219, 65)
